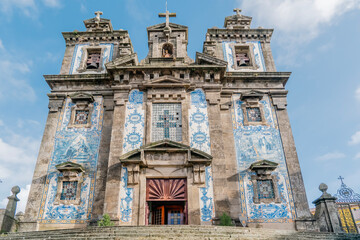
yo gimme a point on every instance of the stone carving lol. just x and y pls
(7, 216)
(326, 213)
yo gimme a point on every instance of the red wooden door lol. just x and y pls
(159, 216)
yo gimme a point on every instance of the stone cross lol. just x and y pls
(167, 15)
(166, 124)
(97, 18)
(341, 179)
(237, 10)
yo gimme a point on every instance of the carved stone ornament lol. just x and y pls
(69, 173)
(166, 153)
(81, 112)
(264, 170)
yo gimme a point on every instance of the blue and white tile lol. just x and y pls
(79, 145)
(254, 143)
(199, 122)
(78, 55)
(207, 209)
(256, 50)
(126, 198)
(134, 122)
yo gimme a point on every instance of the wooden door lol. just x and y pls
(175, 215)
(159, 216)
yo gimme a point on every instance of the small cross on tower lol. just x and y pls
(167, 15)
(238, 11)
(341, 179)
(97, 18)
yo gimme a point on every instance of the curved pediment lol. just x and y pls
(166, 152)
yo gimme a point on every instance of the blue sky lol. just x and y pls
(317, 40)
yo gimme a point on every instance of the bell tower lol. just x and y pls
(167, 43)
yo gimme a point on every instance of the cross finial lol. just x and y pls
(238, 11)
(167, 15)
(341, 179)
(98, 14)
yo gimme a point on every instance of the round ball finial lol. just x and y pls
(323, 187)
(15, 190)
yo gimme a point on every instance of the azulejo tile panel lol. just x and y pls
(254, 143)
(79, 51)
(134, 122)
(257, 52)
(126, 198)
(207, 210)
(198, 122)
(78, 145)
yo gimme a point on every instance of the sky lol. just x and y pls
(317, 40)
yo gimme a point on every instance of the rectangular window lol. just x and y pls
(265, 189)
(253, 114)
(81, 117)
(69, 190)
(166, 122)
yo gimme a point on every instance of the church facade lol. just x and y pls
(168, 139)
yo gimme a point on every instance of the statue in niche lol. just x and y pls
(167, 50)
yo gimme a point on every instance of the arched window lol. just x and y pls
(167, 50)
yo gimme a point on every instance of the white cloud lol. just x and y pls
(1, 45)
(14, 154)
(355, 139)
(52, 3)
(303, 18)
(357, 156)
(357, 94)
(27, 7)
(83, 8)
(23, 196)
(13, 79)
(331, 156)
(296, 22)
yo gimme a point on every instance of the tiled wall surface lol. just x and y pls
(254, 143)
(81, 146)
(134, 122)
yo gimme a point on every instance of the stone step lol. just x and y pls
(175, 232)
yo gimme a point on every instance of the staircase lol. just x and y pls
(175, 232)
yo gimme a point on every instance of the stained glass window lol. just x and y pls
(265, 189)
(166, 122)
(253, 114)
(69, 190)
(81, 117)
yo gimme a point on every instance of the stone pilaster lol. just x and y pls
(217, 151)
(113, 178)
(29, 222)
(304, 219)
(104, 151)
